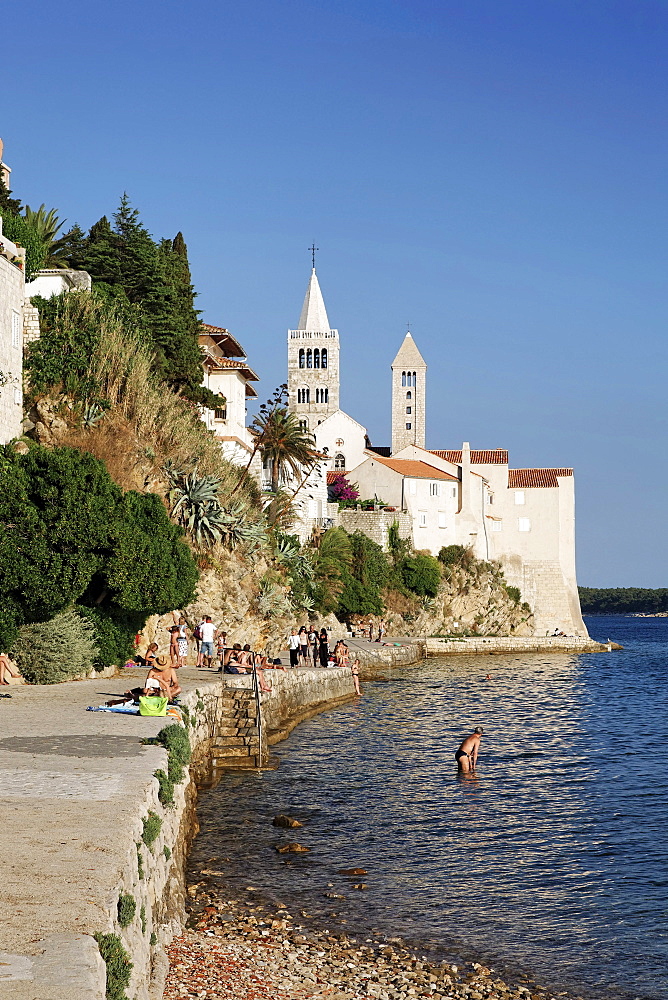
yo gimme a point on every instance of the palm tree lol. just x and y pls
(47, 225)
(284, 444)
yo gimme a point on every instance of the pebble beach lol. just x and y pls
(240, 950)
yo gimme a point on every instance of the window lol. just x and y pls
(326, 393)
(412, 487)
(409, 409)
(303, 425)
(323, 358)
(403, 378)
(434, 489)
(422, 519)
(303, 395)
(316, 358)
(408, 426)
(302, 358)
(309, 358)
(220, 414)
(339, 462)
(489, 498)
(519, 496)
(496, 525)
(16, 328)
(454, 492)
(409, 395)
(441, 519)
(523, 524)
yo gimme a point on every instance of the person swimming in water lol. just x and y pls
(467, 755)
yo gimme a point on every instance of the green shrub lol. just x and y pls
(17, 229)
(153, 939)
(54, 651)
(142, 917)
(140, 862)
(152, 825)
(363, 581)
(167, 851)
(421, 574)
(166, 788)
(118, 965)
(453, 555)
(127, 907)
(115, 631)
(514, 594)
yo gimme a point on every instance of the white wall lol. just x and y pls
(236, 441)
(11, 344)
(339, 427)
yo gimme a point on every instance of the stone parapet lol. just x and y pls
(375, 524)
(467, 646)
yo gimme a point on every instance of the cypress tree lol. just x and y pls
(8, 204)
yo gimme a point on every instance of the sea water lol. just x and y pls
(552, 859)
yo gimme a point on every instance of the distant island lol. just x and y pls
(623, 600)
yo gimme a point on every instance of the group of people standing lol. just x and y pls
(309, 647)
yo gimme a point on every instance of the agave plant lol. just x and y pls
(272, 601)
(91, 415)
(194, 504)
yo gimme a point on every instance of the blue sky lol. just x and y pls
(493, 173)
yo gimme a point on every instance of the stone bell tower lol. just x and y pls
(409, 383)
(313, 361)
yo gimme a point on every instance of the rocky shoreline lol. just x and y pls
(253, 948)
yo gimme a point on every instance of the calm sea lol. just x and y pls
(553, 860)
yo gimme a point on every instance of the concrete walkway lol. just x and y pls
(70, 781)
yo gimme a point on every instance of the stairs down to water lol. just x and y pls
(239, 741)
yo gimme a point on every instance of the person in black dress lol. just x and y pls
(323, 647)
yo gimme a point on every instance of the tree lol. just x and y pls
(364, 580)
(421, 574)
(285, 445)
(47, 225)
(68, 534)
(333, 557)
(8, 205)
(17, 229)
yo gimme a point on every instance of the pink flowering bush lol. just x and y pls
(341, 491)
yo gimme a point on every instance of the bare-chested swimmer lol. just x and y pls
(467, 755)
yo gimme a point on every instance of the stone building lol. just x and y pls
(313, 361)
(12, 283)
(409, 404)
(227, 373)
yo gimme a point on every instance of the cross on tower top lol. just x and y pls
(313, 249)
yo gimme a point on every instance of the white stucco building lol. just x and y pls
(12, 283)
(227, 373)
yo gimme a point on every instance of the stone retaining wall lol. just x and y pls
(501, 644)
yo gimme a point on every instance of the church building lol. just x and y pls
(524, 518)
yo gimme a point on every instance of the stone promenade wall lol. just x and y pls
(535, 644)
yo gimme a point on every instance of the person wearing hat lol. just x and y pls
(467, 755)
(162, 679)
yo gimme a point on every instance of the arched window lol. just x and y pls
(323, 357)
(339, 462)
(316, 358)
(409, 395)
(307, 394)
(403, 378)
(303, 425)
(302, 358)
(309, 358)
(414, 379)
(326, 395)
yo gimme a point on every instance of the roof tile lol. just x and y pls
(412, 469)
(494, 456)
(527, 479)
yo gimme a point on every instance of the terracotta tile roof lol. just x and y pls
(527, 479)
(495, 456)
(412, 469)
(228, 344)
(331, 476)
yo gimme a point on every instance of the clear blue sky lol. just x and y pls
(494, 173)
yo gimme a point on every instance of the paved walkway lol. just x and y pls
(67, 779)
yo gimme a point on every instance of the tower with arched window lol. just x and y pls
(313, 361)
(409, 382)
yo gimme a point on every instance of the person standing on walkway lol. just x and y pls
(313, 643)
(323, 647)
(293, 646)
(181, 639)
(467, 755)
(381, 631)
(303, 646)
(208, 630)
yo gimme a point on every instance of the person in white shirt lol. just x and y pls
(293, 646)
(206, 646)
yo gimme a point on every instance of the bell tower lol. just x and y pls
(409, 383)
(313, 360)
